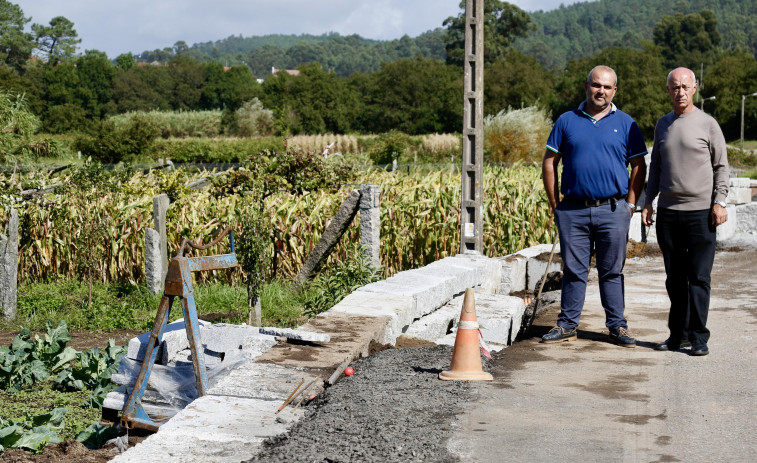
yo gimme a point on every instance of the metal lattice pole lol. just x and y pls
(471, 222)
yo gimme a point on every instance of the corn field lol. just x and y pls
(419, 222)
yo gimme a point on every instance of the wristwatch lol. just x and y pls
(631, 205)
(720, 203)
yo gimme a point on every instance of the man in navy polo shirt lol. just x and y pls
(596, 142)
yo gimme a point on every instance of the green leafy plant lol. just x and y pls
(32, 433)
(340, 280)
(96, 435)
(92, 371)
(29, 361)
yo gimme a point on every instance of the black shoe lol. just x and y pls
(700, 350)
(622, 337)
(559, 334)
(671, 344)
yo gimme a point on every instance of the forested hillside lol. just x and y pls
(577, 31)
(345, 55)
(583, 29)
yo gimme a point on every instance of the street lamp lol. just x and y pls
(743, 97)
(705, 99)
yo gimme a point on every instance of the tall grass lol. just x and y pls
(516, 134)
(179, 124)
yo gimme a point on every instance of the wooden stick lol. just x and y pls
(307, 390)
(289, 399)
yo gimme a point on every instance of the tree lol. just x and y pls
(95, 81)
(516, 81)
(315, 101)
(57, 41)
(15, 44)
(735, 74)
(125, 61)
(503, 23)
(415, 96)
(688, 40)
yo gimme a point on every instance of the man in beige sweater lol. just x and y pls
(689, 172)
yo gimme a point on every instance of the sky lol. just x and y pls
(121, 26)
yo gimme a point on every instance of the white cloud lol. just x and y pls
(137, 25)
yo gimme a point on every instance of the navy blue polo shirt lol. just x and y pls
(595, 153)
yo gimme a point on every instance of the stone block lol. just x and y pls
(513, 273)
(489, 269)
(466, 273)
(396, 309)
(739, 196)
(728, 229)
(428, 293)
(256, 345)
(538, 266)
(214, 429)
(746, 218)
(435, 325)
(739, 182)
(174, 341)
(636, 230)
(262, 381)
(224, 337)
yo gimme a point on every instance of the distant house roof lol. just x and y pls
(291, 72)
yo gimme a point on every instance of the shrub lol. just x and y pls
(66, 118)
(252, 119)
(741, 159)
(17, 123)
(213, 149)
(390, 146)
(516, 134)
(341, 279)
(175, 123)
(112, 144)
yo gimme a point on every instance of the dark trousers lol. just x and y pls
(687, 242)
(584, 230)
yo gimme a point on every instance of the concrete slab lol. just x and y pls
(263, 381)
(214, 429)
(351, 337)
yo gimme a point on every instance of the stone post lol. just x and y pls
(160, 205)
(331, 236)
(370, 224)
(156, 245)
(9, 267)
(153, 262)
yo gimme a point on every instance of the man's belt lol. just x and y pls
(594, 202)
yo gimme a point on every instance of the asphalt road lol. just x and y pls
(592, 401)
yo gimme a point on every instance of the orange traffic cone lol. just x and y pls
(466, 359)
